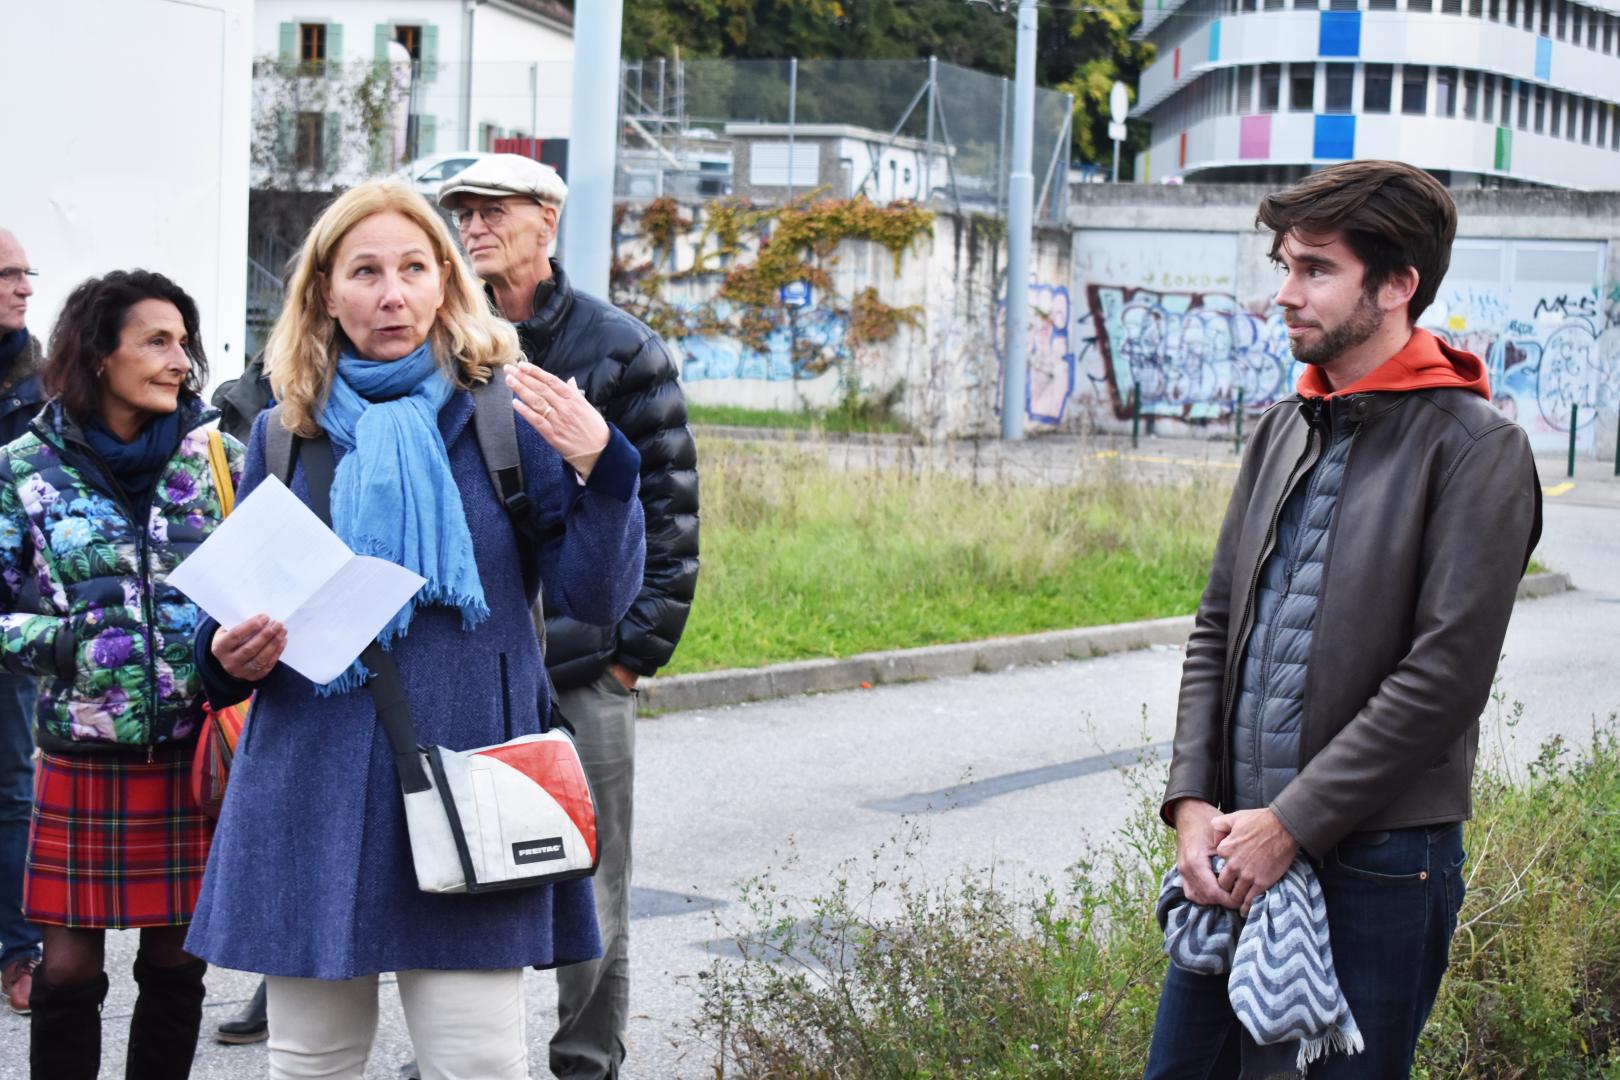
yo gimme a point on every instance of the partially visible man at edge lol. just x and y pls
(1346, 642)
(505, 208)
(20, 400)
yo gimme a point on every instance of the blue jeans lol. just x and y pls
(17, 938)
(1392, 901)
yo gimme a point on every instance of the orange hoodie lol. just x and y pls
(1424, 363)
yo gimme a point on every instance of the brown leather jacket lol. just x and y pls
(1438, 515)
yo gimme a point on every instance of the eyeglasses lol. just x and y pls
(12, 275)
(493, 215)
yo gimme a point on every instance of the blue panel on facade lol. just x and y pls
(1215, 41)
(1340, 33)
(1544, 59)
(1335, 137)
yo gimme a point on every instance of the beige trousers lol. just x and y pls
(465, 1025)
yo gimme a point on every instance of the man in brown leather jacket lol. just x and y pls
(1346, 642)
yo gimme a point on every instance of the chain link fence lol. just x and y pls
(891, 129)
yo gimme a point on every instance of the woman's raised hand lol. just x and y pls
(250, 649)
(560, 413)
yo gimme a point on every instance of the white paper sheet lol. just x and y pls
(274, 557)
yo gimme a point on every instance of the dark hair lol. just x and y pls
(1394, 216)
(88, 329)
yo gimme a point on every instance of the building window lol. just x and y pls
(1414, 90)
(311, 43)
(1572, 116)
(1540, 125)
(1245, 90)
(1524, 106)
(309, 150)
(1608, 34)
(411, 38)
(1270, 87)
(1560, 17)
(1380, 5)
(1592, 30)
(1301, 87)
(1470, 95)
(1557, 111)
(1614, 131)
(1512, 11)
(1342, 5)
(1341, 84)
(1489, 95)
(1493, 10)
(1602, 124)
(1451, 7)
(1586, 121)
(1419, 5)
(1445, 92)
(1575, 27)
(1546, 17)
(1276, 5)
(1375, 88)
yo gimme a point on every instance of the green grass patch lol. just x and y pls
(883, 978)
(838, 420)
(803, 561)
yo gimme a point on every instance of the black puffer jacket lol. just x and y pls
(625, 371)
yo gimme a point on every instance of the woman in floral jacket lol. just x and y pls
(108, 491)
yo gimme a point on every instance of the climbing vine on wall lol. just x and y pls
(755, 251)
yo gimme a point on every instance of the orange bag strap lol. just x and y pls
(219, 463)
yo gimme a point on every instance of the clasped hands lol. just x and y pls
(1256, 847)
(561, 414)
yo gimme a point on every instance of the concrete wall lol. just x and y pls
(945, 369)
(1169, 289)
(1173, 290)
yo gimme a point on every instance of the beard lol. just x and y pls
(1362, 323)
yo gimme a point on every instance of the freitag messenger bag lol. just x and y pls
(507, 816)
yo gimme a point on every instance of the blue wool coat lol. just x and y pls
(310, 874)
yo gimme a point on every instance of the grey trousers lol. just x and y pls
(593, 998)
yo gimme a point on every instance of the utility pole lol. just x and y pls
(1020, 208)
(593, 141)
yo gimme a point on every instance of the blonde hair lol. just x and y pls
(469, 338)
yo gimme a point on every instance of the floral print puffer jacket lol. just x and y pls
(85, 603)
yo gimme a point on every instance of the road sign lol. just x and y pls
(1116, 131)
(1119, 103)
(795, 294)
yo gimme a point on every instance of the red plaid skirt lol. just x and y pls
(115, 842)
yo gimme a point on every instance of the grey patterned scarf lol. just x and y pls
(1283, 986)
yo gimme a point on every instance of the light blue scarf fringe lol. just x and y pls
(394, 496)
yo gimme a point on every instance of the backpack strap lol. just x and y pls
(278, 448)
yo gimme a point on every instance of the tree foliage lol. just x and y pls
(1083, 46)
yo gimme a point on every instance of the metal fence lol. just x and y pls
(897, 129)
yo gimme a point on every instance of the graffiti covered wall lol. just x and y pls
(942, 368)
(1166, 313)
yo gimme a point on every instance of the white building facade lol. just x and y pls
(480, 71)
(1484, 93)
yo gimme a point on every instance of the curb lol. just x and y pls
(712, 689)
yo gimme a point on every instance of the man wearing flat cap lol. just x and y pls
(505, 208)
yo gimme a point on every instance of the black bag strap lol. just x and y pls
(386, 686)
(278, 448)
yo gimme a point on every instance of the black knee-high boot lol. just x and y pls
(64, 1032)
(168, 1012)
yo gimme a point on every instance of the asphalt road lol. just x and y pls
(1010, 770)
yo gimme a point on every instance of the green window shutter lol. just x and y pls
(332, 141)
(379, 42)
(288, 52)
(427, 133)
(334, 50)
(285, 122)
(430, 51)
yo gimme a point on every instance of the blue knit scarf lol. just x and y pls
(393, 495)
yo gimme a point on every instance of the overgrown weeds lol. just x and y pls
(885, 978)
(802, 560)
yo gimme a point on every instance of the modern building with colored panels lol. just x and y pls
(1488, 93)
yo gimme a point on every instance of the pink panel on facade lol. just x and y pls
(1254, 137)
